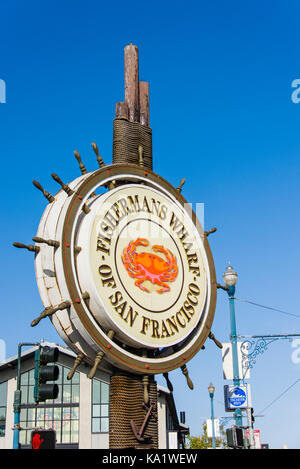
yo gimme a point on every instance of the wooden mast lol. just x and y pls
(131, 126)
(133, 399)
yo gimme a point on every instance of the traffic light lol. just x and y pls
(43, 439)
(239, 437)
(252, 415)
(230, 437)
(44, 372)
(235, 437)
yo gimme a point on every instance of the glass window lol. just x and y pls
(75, 379)
(170, 423)
(95, 425)
(3, 398)
(31, 377)
(104, 410)
(61, 414)
(3, 394)
(22, 437)
(74, 431)
(24, 398)
(104, 425)
(100, 406)
(23, 414)
(66, 430)
(24, 379)
(31, 414)
(96, 391)
(30, 394)
(65, 376)
(67, 393)
(57, 413)
(96, 410)
(75, 413)
(105, 393)
(40, 412)
(75, 393)
(49, 414)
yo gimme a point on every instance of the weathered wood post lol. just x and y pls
(131, 395)
(131, 124)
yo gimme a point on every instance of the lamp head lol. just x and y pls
(230, 276)
(211, 390)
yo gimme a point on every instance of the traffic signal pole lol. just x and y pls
(17, 397)
(42, 373)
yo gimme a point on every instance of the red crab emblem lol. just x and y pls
(147, 266)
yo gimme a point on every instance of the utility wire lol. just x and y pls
(268, 307)
(278, 397)
(283, 312)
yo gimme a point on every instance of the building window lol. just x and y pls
(61, 414)
(169, 420)
(100, 406)
(3, 397)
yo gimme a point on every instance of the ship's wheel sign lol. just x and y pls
(132, 276)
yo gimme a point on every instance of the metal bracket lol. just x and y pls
(254, 346)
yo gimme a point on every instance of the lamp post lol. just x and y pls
(211, 391)
(230, 279)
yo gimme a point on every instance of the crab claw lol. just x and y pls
(157, 247)
(139, 282)
(166, 252)
(141, 242)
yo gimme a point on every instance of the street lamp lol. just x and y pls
(230, 276)
(211, 391)
(230, 279)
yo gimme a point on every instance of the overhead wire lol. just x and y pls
(278, 397)
(267, 307)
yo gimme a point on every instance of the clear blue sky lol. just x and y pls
(220, 78)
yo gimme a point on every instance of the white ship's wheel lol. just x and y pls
(125, 271)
